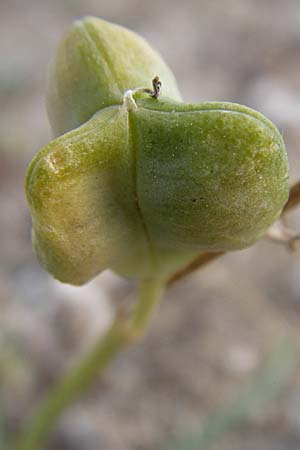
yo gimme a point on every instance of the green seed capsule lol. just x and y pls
(94, 65)
(142, 188)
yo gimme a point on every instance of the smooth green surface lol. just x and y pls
(143, 192)
(212, 176)
(95, 63)
(81, 192)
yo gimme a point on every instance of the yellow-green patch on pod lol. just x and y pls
(95, 63)
(142, 189)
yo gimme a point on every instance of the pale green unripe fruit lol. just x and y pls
(146, 184)
(141, 191)
(95, 63)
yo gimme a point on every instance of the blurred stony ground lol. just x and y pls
(214, 329)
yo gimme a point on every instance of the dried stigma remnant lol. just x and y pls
(156, 83)
(128, 99)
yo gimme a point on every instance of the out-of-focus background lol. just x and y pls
(215, 329)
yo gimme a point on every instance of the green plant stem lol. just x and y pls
(124, 331)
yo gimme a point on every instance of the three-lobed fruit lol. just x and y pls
(143, 191)
(141, 185)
